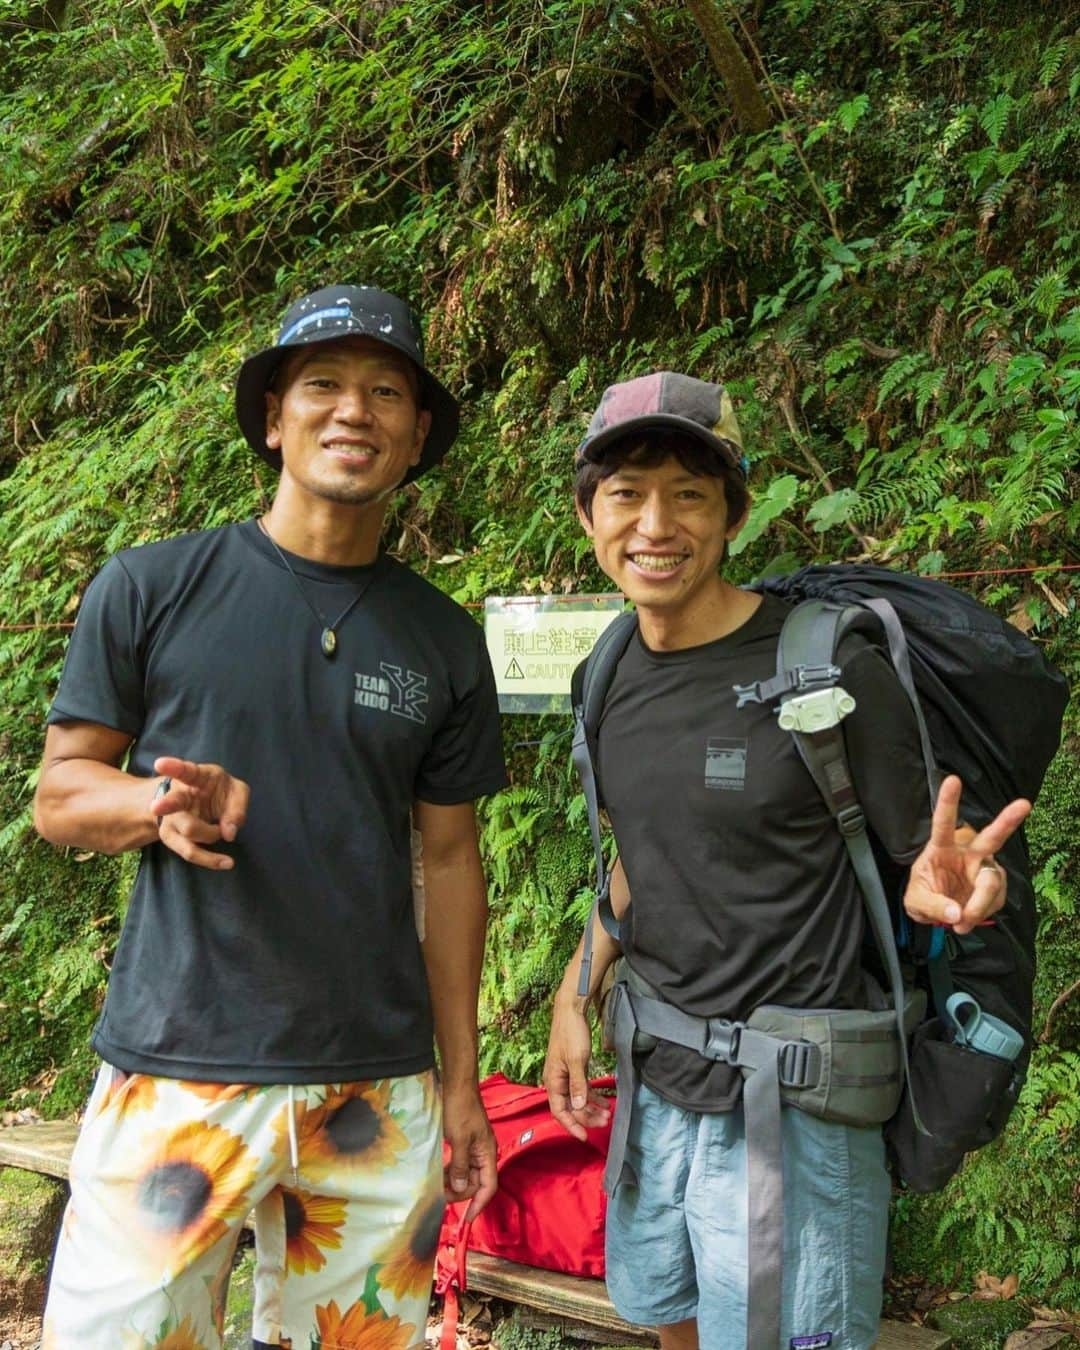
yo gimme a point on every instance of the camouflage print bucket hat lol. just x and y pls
(336, 312)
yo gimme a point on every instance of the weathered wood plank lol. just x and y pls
(567, 1296)
(580, 1301)
(906, 1336)
(39, 1148)
(46, 1148)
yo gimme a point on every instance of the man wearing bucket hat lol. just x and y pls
(742, 897)
(292, 728)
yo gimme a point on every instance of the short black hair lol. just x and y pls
(648, 450)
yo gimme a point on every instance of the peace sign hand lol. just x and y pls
(955, 881)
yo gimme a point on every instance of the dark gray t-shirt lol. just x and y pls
(741, 889)
(302, 963)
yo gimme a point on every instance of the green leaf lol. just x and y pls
(898, 376)
(829, 278)
(839, 252)
(994, 116)
(777, 498)
(930, 564)
(835, 509)
(852, 112)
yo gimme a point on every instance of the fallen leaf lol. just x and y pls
(987, 1283)
(989, 1286)
(1034, 1338)
(1059, 605)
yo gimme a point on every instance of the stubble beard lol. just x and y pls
(355, 494)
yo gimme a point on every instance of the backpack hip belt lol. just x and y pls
(843, 1065)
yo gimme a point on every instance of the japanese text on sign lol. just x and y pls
(535, 642)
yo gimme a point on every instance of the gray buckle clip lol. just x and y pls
(805, 676)
(748, 693)
(722, 1040)
(802, 678)
(851, 820)
(800, 1064)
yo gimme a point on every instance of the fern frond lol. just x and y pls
(1052, 61)
(898, 376)
(994, 116)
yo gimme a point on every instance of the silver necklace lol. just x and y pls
(328, 642)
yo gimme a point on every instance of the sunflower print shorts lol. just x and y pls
(344, 1182)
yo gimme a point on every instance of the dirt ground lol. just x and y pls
(20, 1328)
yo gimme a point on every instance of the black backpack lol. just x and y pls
(989, 708)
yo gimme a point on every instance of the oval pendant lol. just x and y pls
(328, 642)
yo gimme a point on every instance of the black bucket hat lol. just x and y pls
(334, 312)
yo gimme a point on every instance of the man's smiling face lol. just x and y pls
(346, 418)
(660, 533)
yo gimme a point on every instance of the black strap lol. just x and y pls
(810, 632)
(599, 671)
(898, 650)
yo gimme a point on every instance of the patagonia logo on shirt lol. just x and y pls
(725, 763)
(818, 1342)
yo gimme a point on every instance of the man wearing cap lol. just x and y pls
(292, 728)
(742, 896)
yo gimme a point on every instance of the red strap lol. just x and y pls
(462, 1247)
(449, 1320)
(454, 1281)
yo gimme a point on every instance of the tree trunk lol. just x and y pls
(731, 65)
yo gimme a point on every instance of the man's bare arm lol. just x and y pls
(84, 799)
(455, 924)
(566, 1068)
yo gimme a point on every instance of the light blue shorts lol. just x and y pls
(677, 1244)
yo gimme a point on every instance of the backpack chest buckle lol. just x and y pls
(722, 1040)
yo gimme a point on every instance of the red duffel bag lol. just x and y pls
(550, 1205)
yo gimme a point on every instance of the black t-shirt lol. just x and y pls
(741, 889)
(302, 963)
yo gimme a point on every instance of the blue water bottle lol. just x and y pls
(980, 1031)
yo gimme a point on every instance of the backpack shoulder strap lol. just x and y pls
(812, 708)
(588, 691)
(592, 679)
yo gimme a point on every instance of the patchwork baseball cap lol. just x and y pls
(336, 312)
(665, 401)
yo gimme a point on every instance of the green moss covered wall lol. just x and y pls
(886, 277)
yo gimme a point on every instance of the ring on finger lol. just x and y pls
(163, 790)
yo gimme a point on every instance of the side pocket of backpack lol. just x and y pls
(964, 1098)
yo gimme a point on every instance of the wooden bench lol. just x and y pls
(574, 1305)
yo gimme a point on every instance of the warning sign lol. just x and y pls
(535, 642)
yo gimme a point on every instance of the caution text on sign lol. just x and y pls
(535, 642)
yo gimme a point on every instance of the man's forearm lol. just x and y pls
(604, 951)
(86, 804)
(455, 925)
